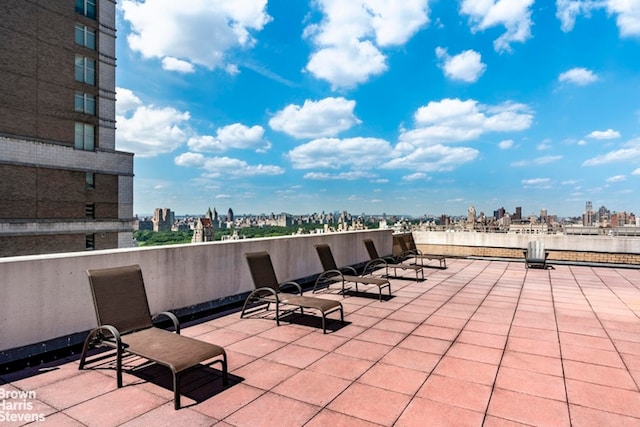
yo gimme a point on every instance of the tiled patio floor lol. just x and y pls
(480, 343)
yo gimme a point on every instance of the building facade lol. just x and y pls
(63, 185)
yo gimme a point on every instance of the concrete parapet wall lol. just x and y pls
(45, 297)
(595, 249)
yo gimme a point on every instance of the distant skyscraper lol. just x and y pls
(230, 215)
(588, 215)
(517, 216)
(63, 185)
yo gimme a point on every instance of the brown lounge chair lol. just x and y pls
(125, 323)
(409, 250)
(333, 274)
(388, 262)
(535, 256)
(268, 291)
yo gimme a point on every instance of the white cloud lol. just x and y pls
(630, 152)
(315, 119)
(418, 176)
(627, 13)
(616, 178)
(333, 153)
(215, 167)
(466, 66)
(506, 144)
(351, 35)
(232, 136)
(606, 134)
(148, 131)
(636, 172)
(173, 64)
(537, 161)
(201, 33)
(433, 158)
(579, 76)
(343, 176)
(454, 120)
(513, 15)
(536, 183)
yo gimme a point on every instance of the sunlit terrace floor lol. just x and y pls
(480, 343)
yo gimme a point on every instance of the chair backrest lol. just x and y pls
(326, 257)
(402, 242)
(119, 298)
(262, 272)
(535, 250)
(371, 248)
(410, 243)
(398, 246)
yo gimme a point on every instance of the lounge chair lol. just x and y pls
(268, 291)
(409, 250)
(125, 323)
(535, 255)
(388, 262)
(333, 274)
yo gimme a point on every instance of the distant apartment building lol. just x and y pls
(163, 219)
(63, 185)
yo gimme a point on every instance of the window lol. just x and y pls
(90, 242)
(86, 8)
(85, 70)
(85, 103)
(90, 211)
(86, 36)
(90, 180)
(85, 137)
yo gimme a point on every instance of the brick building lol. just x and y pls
(63, 185)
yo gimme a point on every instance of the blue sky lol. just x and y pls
(379, 106)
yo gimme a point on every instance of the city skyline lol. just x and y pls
(419, 107)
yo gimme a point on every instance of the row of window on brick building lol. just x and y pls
(85, 72)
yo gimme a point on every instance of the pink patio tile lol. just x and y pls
(255, 346)
(166, 416)
(532, 346)
(361, 320)
(631, 361)
(124, 404)
(424, 412)
(295, 355)
(320, 341)
(264, 374)
(287, 333)
(482, 339)
(598, 374)
(439, 332)
(456, 392)
(381, 336)
(268, 411)
(79, 388)
(370, 403)
(446, 322)
(475, 352)
(394, 378)
(38, 377)
(395, 326)
(237, 360)
(577, 328)
(375, 312)
(532, 362)
(491, 421)
(312, 387)
(411, 359)
(336, 419)
(363, 349)
(468, 370)
(253, 326)
(610, 399)
(350, 331)
(428, 345)
(228, 402)
(488, 327)
(537, 384)
(587, 417)
(409, 316)
(599, 343)
(197, 329)
(223, 337)
(591, 355)
(534, 333)
(341, 366)
(528, 409)
(628, 346)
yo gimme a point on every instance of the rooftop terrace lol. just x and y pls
(481, 343)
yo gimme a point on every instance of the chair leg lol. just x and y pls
(176, 390)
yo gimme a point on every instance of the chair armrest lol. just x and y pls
(294, 284)
(96, 333)
(349, 269)
(369, 266)
(174, 319)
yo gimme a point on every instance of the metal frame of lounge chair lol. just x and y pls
(333, 274)
(268, 291)
(409, 250)
(388, 262)
(535, 256)
(125, 324)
